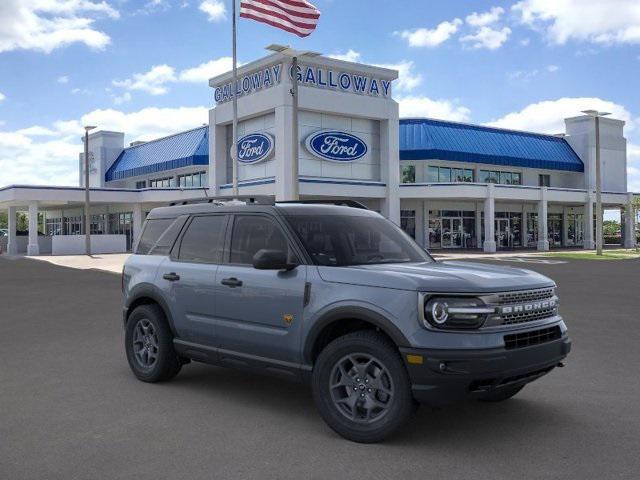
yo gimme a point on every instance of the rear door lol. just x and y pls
(259, 312)
(188, 277)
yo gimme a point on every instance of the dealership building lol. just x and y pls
(449, 185)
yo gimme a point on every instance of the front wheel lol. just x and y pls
(361, 387)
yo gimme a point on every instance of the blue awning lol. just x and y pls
(183, 149)
(427, 139)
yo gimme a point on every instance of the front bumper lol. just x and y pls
(447, 376)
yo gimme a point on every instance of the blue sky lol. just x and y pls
(142, 66)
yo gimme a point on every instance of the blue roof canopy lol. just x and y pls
(427, 139)
(176, 151)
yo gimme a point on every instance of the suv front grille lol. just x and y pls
(525, 296)
(535, 337)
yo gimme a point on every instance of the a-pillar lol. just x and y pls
(137, 222)
(12, 243)
(32, 247)
(629, 224)
(489, 221)
(589, 242)
(543, 237)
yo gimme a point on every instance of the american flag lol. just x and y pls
(294, 16)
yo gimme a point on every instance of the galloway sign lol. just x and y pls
(336, 146)
(248, 84)
(331, 79)
(255, 148)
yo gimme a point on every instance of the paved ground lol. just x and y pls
(70, 409)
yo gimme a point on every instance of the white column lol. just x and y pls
(12, 245)
(543, 240)
(390, 165)
(33, 248)
(137, 222)
(589, 242)
(478, 226)
(284, 155)
(629, 224)
(425, 217)
(565, 227)
(489, 221)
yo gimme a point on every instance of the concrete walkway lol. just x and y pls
(105, 262)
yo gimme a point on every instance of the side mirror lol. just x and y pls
(272, 260)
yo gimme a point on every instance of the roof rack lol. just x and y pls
(219, 200)
(331, 201)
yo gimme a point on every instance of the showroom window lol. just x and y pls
(448, 174)
(408, 174)
(503, 178)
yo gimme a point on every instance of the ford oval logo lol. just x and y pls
(336, 146)
(255, 148)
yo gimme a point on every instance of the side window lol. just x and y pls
(153, 229)
(168, 238)
(203, 240)
(252, 233)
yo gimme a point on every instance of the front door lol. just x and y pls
(503, 233)
(451, 232)
(258, 312)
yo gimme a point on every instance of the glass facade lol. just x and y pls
(198, 179)
(554, 229)
(452, 229)
(408, 222)
(162, 182)
(122, 224)
(408, 174)
(575, 229)
(504, 178)
(448, 175)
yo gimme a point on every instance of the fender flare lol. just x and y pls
(351, 312)
(151, 292)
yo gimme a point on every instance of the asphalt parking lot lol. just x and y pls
(71, 409)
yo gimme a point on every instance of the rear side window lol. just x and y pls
(202, 242)
(153, 229)
(168, 238)
(253, 233)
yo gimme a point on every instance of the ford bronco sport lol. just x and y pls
(339, 297)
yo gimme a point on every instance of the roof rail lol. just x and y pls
(219, 200)
(331, 201)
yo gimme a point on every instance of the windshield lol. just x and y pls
(345, 240)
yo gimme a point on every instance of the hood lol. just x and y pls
(460, 277)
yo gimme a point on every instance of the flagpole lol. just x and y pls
(234, 144)
(295, 194)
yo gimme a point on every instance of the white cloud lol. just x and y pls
(154, 81)
(120, 99)
(525, 42)
(45, 25)
(487, 37)
(527, 75)
(595, 21)
(48, 155)
(420, 106)
(349, 56)
(552, 68)
(203, 72)
(424, 37)
(214, 9)
(486, 18)
(548, 116)
(2, 96)
(407, 78)
(63, 79)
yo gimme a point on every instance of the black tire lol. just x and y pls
(501, 394)
(392, 378)
(163, 362)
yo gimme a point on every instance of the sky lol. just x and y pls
(142, 66)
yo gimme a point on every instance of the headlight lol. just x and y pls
(455, 312)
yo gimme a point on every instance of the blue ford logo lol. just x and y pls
(255, 148)
(336, 146)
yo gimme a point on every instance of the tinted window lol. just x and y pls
(168, 238)
(253, 233)
(341, 240)
(153, 229)
(202, 242)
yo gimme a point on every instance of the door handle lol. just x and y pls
(172, 277)
(231, 282)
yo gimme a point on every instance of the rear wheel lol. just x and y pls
(361, 387)
(501, 394)
(149, 345)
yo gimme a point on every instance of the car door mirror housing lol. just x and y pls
(272, 260)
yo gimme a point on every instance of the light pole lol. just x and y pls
(295, 146)
(596, 114)
(87, 217)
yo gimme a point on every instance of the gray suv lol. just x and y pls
(339, 297)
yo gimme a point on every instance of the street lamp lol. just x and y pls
(596, 114)
(87, 217)
(294, 55)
